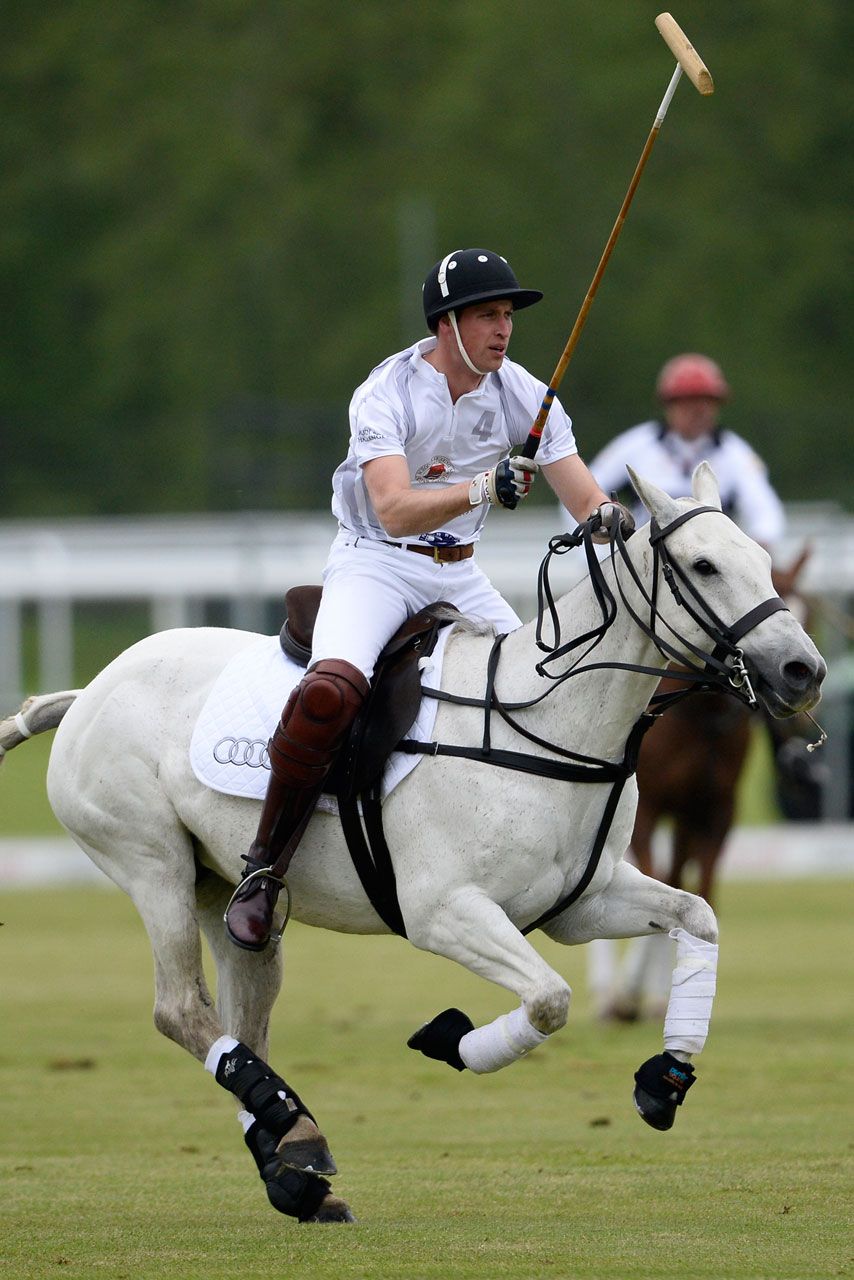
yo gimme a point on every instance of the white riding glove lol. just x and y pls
(506, 484)
(610, 514)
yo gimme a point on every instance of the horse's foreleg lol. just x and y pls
(632, 905)
(618, 984)
(476, 933)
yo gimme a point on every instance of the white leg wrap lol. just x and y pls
(686, 1023)
(499, 1043)
(246, 1120)
(224, 1044)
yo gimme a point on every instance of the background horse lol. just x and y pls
(482, 855)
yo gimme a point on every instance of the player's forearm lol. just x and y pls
(574, 486)
(414, 511)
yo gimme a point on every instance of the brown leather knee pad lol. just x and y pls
(315, 722)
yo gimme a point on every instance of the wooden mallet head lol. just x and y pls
(685, 53)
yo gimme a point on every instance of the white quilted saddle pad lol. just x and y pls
(228, 749)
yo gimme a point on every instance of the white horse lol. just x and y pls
(479, 853)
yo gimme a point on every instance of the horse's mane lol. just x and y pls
(467, 625)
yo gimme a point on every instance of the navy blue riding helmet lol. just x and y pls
(467, 276)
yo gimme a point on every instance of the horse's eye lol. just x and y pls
(705, 568)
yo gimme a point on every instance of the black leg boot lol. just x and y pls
(313, 727)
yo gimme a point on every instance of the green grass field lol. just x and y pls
(121, 1158)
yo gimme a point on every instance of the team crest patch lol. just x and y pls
(436, 469)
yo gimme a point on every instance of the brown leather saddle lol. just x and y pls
(390, 708)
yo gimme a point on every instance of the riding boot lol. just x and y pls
(313, 727)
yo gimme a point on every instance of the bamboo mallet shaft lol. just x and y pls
(689, 61)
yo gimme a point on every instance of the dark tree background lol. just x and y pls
(216, 219)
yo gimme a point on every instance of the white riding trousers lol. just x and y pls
(370, 588)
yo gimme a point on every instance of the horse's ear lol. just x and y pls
(704, 485)
(657, 502)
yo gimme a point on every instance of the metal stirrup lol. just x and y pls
(266, 872)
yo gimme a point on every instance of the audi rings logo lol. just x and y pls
(242, 751)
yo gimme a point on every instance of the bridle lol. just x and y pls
(721, 667)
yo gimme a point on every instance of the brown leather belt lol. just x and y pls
(442, 555)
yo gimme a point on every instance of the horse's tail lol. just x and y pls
(38, 714)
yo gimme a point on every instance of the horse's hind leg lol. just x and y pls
(162, 887)
(184, 1011)
(643, 979)
(247, 983)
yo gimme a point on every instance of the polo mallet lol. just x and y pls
(689, 61)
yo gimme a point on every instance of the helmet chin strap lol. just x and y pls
(481, 373)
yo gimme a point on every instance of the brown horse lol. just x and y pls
(688, 770)
(689, 767)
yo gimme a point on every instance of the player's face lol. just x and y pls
(485, 331)
(693, 416)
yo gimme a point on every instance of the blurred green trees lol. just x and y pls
(216, 219)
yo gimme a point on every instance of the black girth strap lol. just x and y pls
(366, 841)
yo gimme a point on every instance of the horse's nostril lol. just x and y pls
(798, 673)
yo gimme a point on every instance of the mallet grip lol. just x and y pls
(685, 53)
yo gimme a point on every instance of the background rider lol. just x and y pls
(692, 390)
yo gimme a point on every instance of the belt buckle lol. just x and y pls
(436, 555)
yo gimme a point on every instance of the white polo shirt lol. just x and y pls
(404, 408)
(669, 461)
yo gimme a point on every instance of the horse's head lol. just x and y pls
(723, 576)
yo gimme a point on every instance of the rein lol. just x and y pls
(722, 668)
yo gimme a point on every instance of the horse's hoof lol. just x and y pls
(304, 1147)
(657, 1113)
(332, 1210)
(660, 1087)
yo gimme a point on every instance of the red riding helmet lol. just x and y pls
(691, 375)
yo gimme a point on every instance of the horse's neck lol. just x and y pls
(591, 712)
